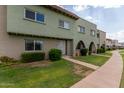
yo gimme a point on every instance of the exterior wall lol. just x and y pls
(14, 45)
(102, 37)
(12, 21)
(115, 43)
(109, 43)
(17, 24)
(85, 37)
(121, 45)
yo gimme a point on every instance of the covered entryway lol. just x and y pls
(65, 46)
(92, 48)
(61, 45)
(80, 46)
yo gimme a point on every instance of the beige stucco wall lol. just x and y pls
(109, 43)
(102, 37)
(14, 45)
(85, 37)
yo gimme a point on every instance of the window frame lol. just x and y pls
(64, 21)
(79, 29)
(35, 20)
(34, 40)
(92, 33)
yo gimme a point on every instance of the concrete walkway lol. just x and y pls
(107, 76)
(81, 63)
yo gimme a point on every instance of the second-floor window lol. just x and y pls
(98, 36)
(92, 32)
(64, 24)
(81, 29)
(34, 16)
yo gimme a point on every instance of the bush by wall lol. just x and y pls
(32, 56)
(98, 50)
(55, 54)
(90, 52)
(6, 59)
(83, 52)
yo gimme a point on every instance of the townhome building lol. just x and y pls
(40, 28)
(115, 43)
(121, 45)
(109, 43)
(102, 38)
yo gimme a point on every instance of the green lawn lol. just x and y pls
(56, 75)
(93, 59)
(122, 51)
(107, 53)
(122, 78)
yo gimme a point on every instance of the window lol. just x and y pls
(93, 32)
(64, 24)
(38, 45)
(29, 45)
(81, 29)
(29, 14)
(35, 16)
(39, 17)
(32, 45)
(98, 35)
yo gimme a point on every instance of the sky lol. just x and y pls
(108, 18)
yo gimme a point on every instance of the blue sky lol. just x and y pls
(108, 18)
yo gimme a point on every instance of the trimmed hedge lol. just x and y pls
(6, 59)
(32, 56)
(55, 54)
(90, 52)
(100, 50)
(83, 52)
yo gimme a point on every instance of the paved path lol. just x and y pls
(81, 63)
(107, 76)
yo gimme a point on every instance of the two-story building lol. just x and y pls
(40, 28)
(102, 38)
(109, 43)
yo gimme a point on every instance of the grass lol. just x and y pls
(122, 51)
(58, 74)
(107, 53)
(122, 78)
(93, 59)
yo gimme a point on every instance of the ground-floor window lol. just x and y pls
(33, 45)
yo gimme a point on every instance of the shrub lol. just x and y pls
(98, 50)
(90, 52)
(6, 59)
(55, 54)
(83, 51)
(32, 56)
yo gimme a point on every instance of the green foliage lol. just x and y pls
(59, 74)
(55, 54)
(6, 59)
(32, 56)
(100, 50)
(83, 52)
(93, 59)
(90, 52)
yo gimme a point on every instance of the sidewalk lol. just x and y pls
(107, 76)
(81, 63)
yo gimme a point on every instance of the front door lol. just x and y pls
(61, 46)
